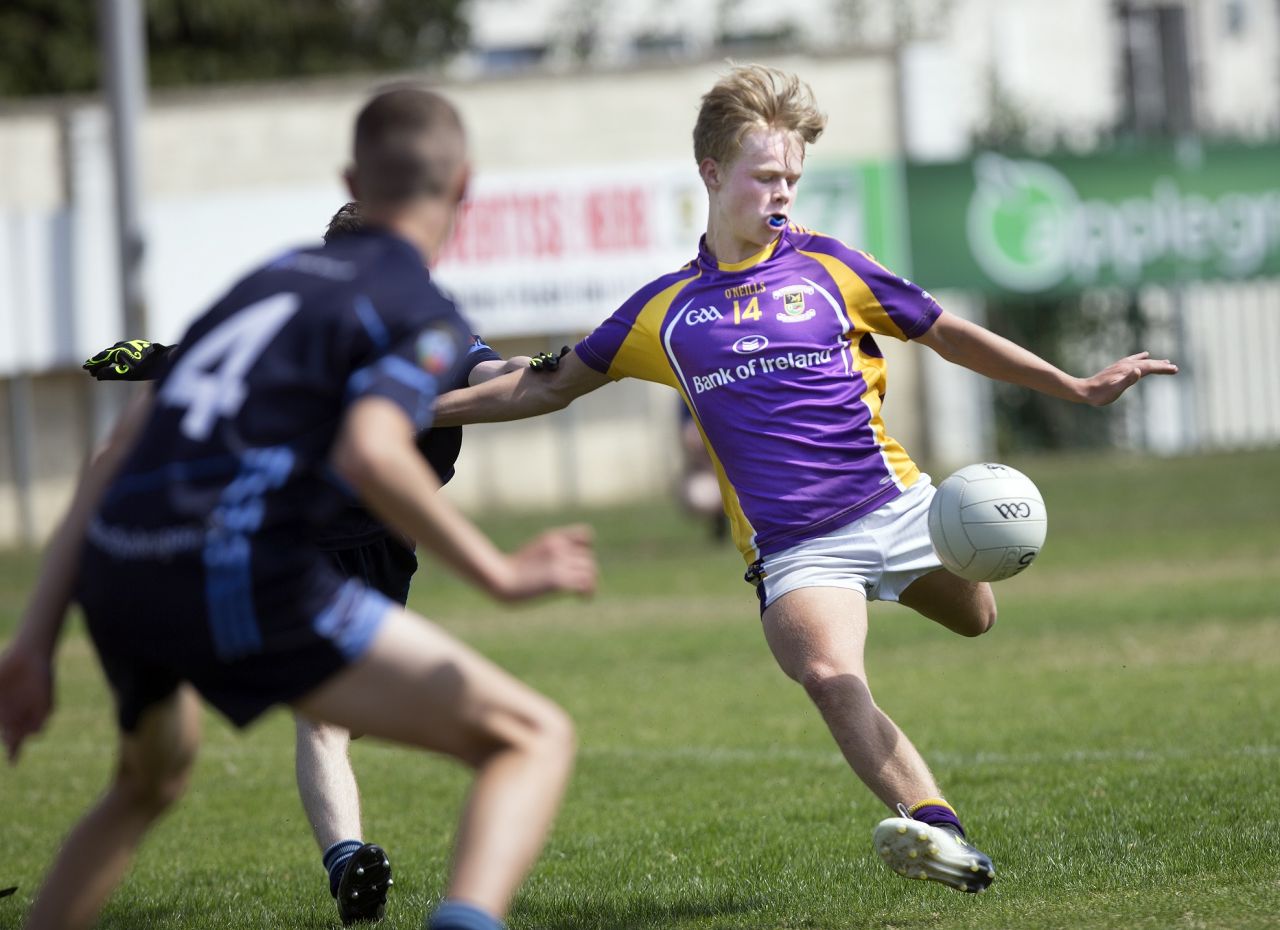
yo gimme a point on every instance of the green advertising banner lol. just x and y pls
(860, 203)
(1017, 224)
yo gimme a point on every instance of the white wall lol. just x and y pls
(1054, 64)
(1236, 74)
(29, 156)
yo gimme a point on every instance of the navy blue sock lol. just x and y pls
(454, 915)
(335, 861)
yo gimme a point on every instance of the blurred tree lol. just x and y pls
(1009, 125)
(1081, 334)
(47, 46)
(50, 46)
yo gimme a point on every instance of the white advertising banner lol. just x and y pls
(533, 253)
(557, 253)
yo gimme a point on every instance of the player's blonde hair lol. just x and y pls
(753, 97)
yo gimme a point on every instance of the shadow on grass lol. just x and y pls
(136, 915)
(637, 912)
(160, 916)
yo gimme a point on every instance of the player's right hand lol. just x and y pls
(127, 360)
(26, 695)
(561, 559)
(1108, 384)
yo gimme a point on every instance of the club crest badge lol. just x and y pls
(793, 303)
(437, 349)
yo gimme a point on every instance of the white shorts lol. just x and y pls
(878, 555)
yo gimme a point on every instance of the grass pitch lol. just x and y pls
(1113, 743)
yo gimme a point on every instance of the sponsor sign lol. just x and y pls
(1026, 225)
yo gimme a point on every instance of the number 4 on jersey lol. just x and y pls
(209, 379)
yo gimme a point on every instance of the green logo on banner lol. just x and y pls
(1019, 222)
(1030, 230)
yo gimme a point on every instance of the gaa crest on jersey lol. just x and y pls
(702, 315)
(793, 297)
(437, 349)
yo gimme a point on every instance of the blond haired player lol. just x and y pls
(769, 334)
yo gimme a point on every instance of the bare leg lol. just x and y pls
(818, 636)
(417, 685)
(326, 783)
(964, 607)
(155, 763)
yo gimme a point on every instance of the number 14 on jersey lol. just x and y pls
(750, 312)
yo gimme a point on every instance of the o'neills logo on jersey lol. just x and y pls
(793, 308)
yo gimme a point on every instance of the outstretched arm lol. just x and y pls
(515, 396)
(487, 371)
(26, 668)
(968, 344)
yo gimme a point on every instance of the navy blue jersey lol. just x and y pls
(232, 465)
(355, 526)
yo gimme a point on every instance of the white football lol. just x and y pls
(987, 522)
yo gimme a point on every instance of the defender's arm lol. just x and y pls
(487, 371)
(515, 396)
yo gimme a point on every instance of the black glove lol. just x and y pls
(548, 361)
(128, 360)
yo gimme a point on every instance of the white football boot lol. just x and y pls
(915, 849)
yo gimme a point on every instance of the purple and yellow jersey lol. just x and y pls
(776, 359)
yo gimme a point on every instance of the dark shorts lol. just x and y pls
(385, 565)
(245, 644)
